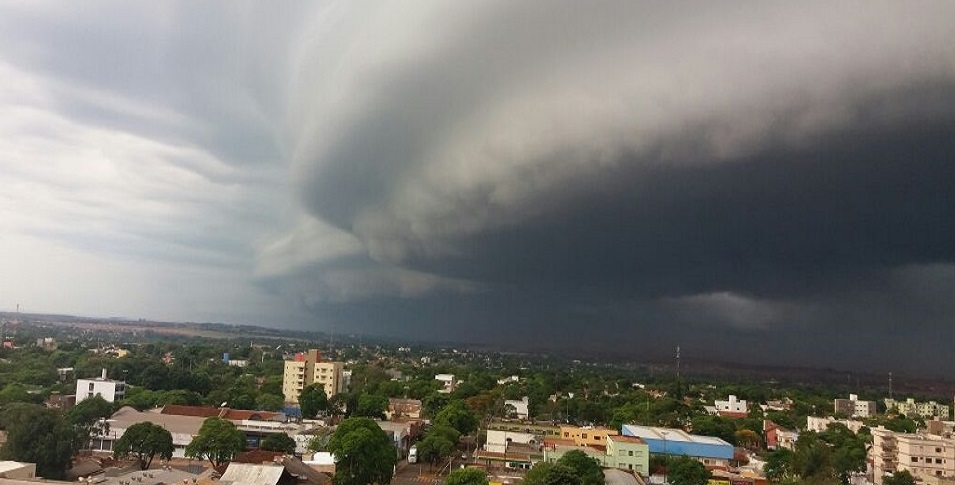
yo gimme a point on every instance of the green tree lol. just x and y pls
(363, 452)
(457, 416)
(813, 457)
(562, 475)
(269, 402)
(467, 476)
(538, 473)
(899, 478)
(312, 400)
(144, 441)
(779, 465)
(684, 470)
(583, 466)
(218, 441)
(15, 392)
(39, 435)
(371, 406)
(89, 417)
(434, 448)
(543, 473)
(279, 442)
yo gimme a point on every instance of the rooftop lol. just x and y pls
(670, 434)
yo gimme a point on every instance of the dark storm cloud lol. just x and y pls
(698, 170)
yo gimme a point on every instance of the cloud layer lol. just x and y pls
(776, 178)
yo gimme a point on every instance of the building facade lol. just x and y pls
(587, 435)
(817, 424)
(732, 407)
(854, 407)
(922, 455)
(306, 369)
(911, 408)
(628, 453)
(110, 390)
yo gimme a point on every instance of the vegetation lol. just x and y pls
(41, 436)
(467, 476)
(683, 470)
(583, 466)
(363, 453)
(543, 473)
(218, 441)
(279, 442)
(144, 441)
(313, 400)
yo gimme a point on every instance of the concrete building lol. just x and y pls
(517, 408)
(854, 407)
(111, 390)
(711, 451)
(911, 408)
(184, 422)
(779, 437)
(819, 425)
(499, 441)
(306, 369)
(622, 452)
(732, 407)
(448, 383)
(403, 408)
(922, 455)
(587, 435)
(628, 453)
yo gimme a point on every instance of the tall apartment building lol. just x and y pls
(922, 455)
(308, 368)
(854, 407)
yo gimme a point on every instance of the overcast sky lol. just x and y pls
(756, 182)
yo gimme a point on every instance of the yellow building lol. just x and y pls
(308, 368)
(588, 435)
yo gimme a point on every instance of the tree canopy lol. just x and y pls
(584, 466)
(144, 441)
(363, 452)
(39, 435)
(684, 470)
(371, 406)
(279, 442)
(218, 441)
(467, 476)
(312, 400)
(457, 416)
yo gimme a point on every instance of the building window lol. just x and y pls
(584, 435)
(915, 459)
(938, 450)
(631, 453)
(91, 386)
(938, 460)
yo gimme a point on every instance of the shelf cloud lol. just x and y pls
(724, 176)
